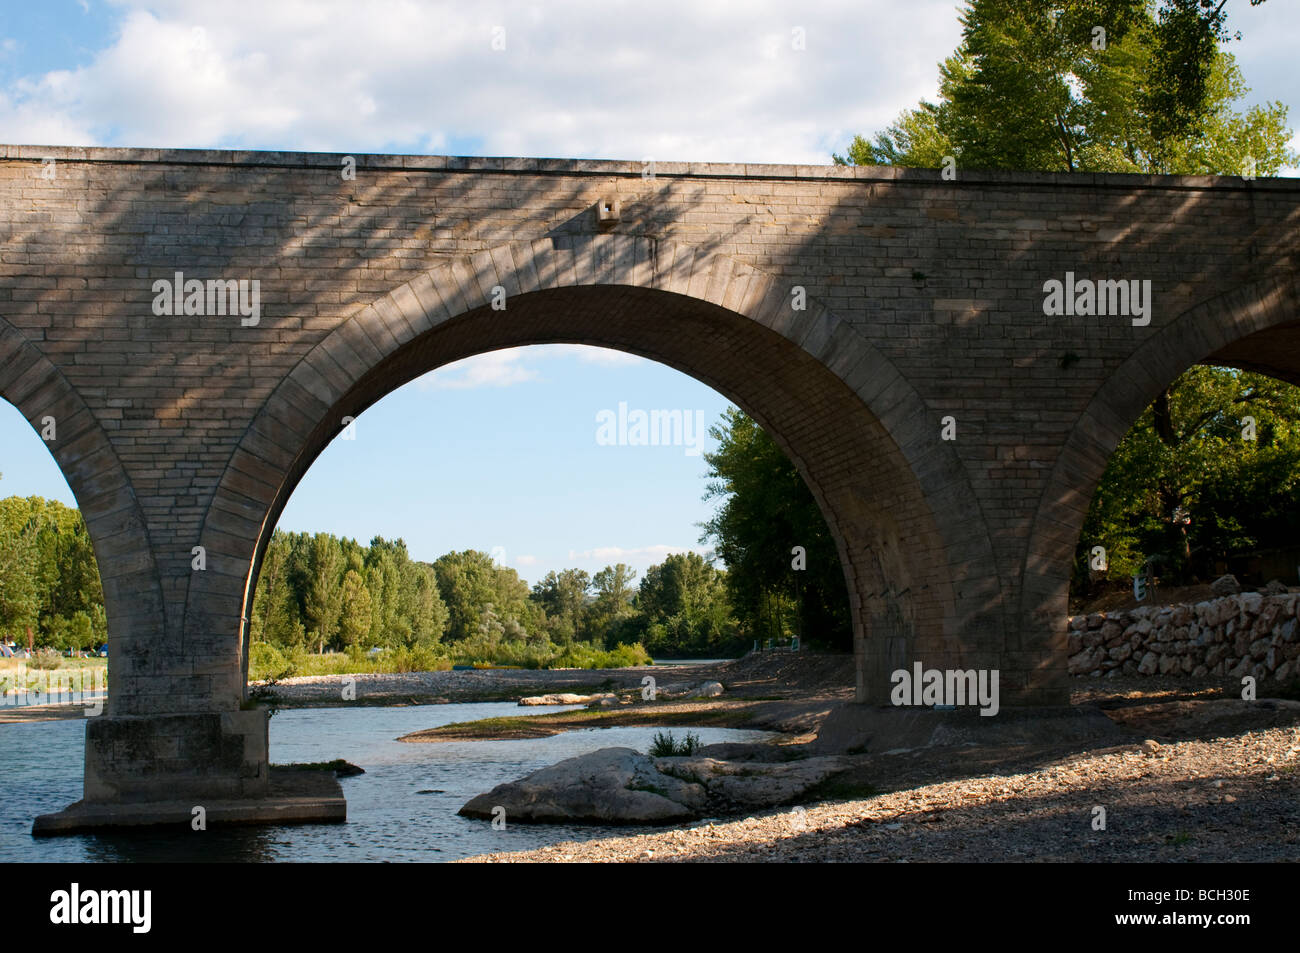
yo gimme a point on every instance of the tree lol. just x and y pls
(564, 597)
(613, 603)
(470, 581)
(1035, 87)
(1193, 480)
(354, 611)
(684, 606)
(19, 595)
(321, 602)
(766, 513)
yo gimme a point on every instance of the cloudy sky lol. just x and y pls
(499, 451)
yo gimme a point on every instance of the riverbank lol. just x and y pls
(1234, 799)
(1182, 769)
(768, 677)
(456, 686)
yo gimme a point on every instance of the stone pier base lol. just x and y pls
(215, 755)
(294, 796)
(156, 769)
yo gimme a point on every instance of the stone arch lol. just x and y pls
(133, 599)
(913, 545)
(1206, 333)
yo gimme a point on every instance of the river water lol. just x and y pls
(402, 809)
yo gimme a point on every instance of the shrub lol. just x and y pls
(45, 658)
(416, 658)
(265, 661)
(583, 655)
(666, 746)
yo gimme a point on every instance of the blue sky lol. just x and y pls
(498, 452)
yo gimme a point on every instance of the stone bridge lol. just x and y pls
(888, 327)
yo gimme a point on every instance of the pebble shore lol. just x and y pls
(1229, 799)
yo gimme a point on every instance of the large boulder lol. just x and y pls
(623, 786)
(1226, 585)
(609, 786)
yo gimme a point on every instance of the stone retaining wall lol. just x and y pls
(1247, 634)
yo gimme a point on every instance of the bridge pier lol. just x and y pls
(190, 771)
(196, 756)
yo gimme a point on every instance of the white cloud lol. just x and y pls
(693, 81)
(603, 356)
(493, 369)
(511, 366)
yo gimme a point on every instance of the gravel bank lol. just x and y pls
(1224, 799)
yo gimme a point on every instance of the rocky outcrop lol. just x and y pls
(1226, 585)
(689, 690)
(1250, 633)
(563, 698)
(609, 786)
(623, 786)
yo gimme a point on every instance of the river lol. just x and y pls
(402, 809)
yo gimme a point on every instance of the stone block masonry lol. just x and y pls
(1248, 634)
(886, 326)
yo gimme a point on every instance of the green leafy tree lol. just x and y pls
(615, 591)
(19, 593)
(564, 597)
(354, 611)
(1031, 87)
(468, 582)
(684, 607)
(767, 511)
(322, 600)
(1194, 480)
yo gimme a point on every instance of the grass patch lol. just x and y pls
(665, 745)
(536, 726)
(338, 765)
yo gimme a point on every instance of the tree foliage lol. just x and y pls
(1194, 480)
(1035, 87)
(49, 580)
(766, 513)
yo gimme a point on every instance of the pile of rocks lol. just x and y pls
(1252, 633)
